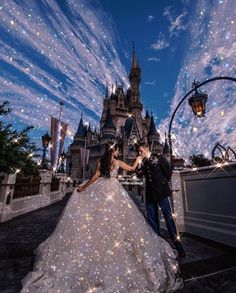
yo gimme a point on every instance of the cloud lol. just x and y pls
(176, 23)
(153, 59)
(54, 51)
(160, 43)
(153, 83)
(150, 18)
(212, 54)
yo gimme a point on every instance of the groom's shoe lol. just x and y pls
(179, 247)
(181, 253)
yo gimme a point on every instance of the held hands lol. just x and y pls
(139, 160)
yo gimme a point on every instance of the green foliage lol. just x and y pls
(199, 161)
(16, 151)
(217, 160)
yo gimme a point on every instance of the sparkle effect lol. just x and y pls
(55, 51)
(213, 50)
(102, 245)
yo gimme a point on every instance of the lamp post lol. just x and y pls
(45, 142)
(197, 102)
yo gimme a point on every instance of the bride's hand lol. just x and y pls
(80, 188)
(139, 159)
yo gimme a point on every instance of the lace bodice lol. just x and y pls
(114, 171)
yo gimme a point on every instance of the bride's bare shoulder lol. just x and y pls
(116, 162)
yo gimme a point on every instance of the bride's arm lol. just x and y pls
(90, 181)
(127, 167)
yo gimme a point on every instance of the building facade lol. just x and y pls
(121, 122)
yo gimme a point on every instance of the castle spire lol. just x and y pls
(166, 148)
(108, 129)
(134, 59)
(147, 114)
(152, 129)
(81, 128)
(109, 122)
(89, 128)
(107, 92)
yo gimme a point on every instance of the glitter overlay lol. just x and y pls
(102, 243)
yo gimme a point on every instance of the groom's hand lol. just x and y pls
(139, 169)
(80, 188)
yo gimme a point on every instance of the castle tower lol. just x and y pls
(106, 104)
(153, 137)
(81, 132)
(135, 104)
(108, 129)
(147, 119)
(166, 148)
(74, 158)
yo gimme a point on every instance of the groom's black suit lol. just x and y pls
(158, 171)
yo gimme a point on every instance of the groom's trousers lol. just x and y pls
(153, 217)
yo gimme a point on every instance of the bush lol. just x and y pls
(199, 161)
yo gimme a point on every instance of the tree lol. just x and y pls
(17, 152)
(199, 161)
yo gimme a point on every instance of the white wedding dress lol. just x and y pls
(102, 243)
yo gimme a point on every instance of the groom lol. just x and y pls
(157, 172)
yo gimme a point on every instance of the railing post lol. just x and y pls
(178, 208)
(6, 193)
(45, 184)
(7, 186)
(62, 184)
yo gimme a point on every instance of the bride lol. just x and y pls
(102, 243)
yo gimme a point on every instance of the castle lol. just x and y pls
(121, 123)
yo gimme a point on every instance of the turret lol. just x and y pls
(107, 91)
(135, 105)
(135, 78)
(166, 148)
(147, 119)
(81, 130)
(108, 129)
(153, 136)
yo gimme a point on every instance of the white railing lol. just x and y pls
(11, 207)
(205, 202)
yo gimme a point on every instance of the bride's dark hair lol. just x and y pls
(105, 161)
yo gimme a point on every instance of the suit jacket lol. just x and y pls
(157, 171)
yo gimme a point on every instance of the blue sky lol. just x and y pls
(52, 51)
(150, 23)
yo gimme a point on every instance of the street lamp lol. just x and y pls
(197, 101)
(45, 142)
